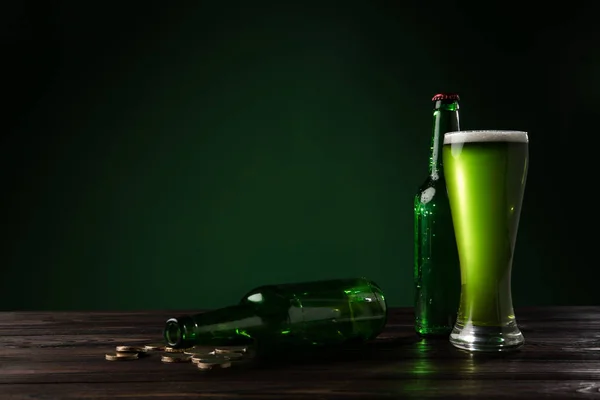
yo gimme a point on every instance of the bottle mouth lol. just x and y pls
(172, 333)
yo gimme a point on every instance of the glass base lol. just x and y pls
(487, 338)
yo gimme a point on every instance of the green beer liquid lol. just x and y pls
(485, 175)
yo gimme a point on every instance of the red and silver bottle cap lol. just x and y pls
(445, 96)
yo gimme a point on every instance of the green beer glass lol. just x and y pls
(485, 174)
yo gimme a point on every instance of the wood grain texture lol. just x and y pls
(60, 355)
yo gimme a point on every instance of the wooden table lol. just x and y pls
(60, 355)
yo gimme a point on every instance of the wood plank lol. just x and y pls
(537, 313)
(564, 330)
(400, 348)
(331, 390)
(62, 323)
(128, 372)
(446, 364)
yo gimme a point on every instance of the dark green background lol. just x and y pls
(159, 156)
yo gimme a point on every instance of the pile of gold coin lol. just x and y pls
(204, 358)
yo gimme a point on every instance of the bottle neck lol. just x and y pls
(445, 119)
(224, 325)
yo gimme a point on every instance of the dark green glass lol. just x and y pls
(436, 265)
(310, 314)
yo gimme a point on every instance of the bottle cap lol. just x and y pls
(445, 96)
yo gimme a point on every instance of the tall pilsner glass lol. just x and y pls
(485, 173)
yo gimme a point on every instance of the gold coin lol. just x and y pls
(208, 357)
(130, 349)
(121, 356)
(126, 354)
(211, 355)
(213, 364)
(173, 350)
(231, 349)
(154, 347)
(232, 356)
(175, 358)
(199, 350)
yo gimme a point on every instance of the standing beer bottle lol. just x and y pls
(294, 315)
(436, 264)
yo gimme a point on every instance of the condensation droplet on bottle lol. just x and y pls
(427, 195)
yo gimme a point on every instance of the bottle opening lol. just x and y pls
(173, 335)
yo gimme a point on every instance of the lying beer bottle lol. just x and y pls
(436, 264)
(317, 313)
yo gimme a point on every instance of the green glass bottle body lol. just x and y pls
(330, 312)
(436, 262)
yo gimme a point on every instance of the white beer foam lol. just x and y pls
(485, 136)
